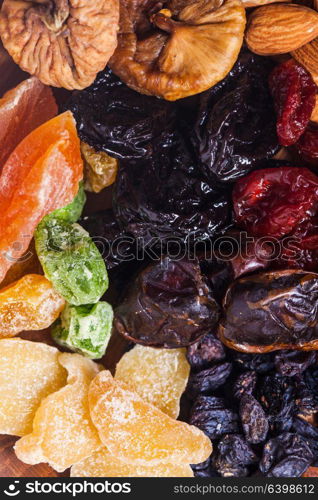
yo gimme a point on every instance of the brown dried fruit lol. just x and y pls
(258, 3)
(100, 169)
(278, 29)
(180, 50)
(308, 57)
(64, 43)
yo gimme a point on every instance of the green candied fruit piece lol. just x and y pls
(71, 261)
(73, 211)
(85, 329)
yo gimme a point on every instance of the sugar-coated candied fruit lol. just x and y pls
(63, 433)
(103, 464)
(136, 432)
(159, 376)
(31, 303)
(29, 372)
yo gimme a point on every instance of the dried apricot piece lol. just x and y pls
(31, 303)
(63, 433)
(103, 464)
(159, 376)
(29, 371)
(136, 432)
(41, 175)
(23, 109)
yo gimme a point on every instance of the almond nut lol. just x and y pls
(281, 28)
(307, 56)
(314, 115)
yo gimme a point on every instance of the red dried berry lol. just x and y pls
(274, 201)
(307, 145)
(300, 250)
(294, 93)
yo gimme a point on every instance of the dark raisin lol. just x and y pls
(304, 398)
(287, 455)
(260, 363)
(208, 380)
(211, 416)
(311, 380)
(277, 396)
(309, 432)
(290, 363)
(245, 384)
(232, 456)
(254, 420)
(206, 351)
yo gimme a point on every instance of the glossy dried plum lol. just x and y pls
(232, 456)
(113, 118)
(168, 305)
(234, 130)
(287, 455)
(208, 380)
(291, 363)
(254, 420)
(271, 311)
(245, 384)
(277, 395)
(116, 246)
(261, 363)
(206, 351)
(166, 198)
(211, 416)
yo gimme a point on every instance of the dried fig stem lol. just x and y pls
(164, 22)
(55, 15)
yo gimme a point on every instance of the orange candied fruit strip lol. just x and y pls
(41, 175)
(28, 304)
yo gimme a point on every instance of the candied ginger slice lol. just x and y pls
(159, 376)
(29, 372)
(103, 464)
(136, 432)
(63, 433)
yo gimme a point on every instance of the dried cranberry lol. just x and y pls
(294, 93)
(206, 351)
(307, 145)
(273, 201)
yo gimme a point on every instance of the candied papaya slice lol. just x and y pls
(31, 303)
(136, 432)
(63, 433)
(41, 175)
(29, 371)
(103, 464)
(159, 376)
(23, 109)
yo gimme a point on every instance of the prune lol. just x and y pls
(234, 130)
(208, 380)
(254, 420)
(287, 455)
(211, 416)
(290, 363)
(245, 384)
(116, 246)
(168, 305)
(294, 93)
(307, 145)
(273, 201)
(271, 311)
(113, 118)
(261, 363)
(232, 456)
(277, 396)
(166, 198)
(206, 351)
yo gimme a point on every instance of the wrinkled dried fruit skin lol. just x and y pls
(291, 363)
(261, 363)
(168, 305)
(64, 43)
(154, 53)
(233, 129)
(270, 311)
(206, 351)
(167, 197)
(309, 432)
(307, 145)
(294, 94)
(245, 384)
(277, 395)
(311, 378)
(208, 380)
(232, 456)
(211, 416)
(254, 420)
(274, 201)
(288, 455)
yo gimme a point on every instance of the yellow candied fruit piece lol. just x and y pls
(159, 376)
(103, 464)
(31, 303)
(136, 432)
(63, 433)
(29, 372)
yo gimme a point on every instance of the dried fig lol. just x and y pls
(65, 43)
(177, 48)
